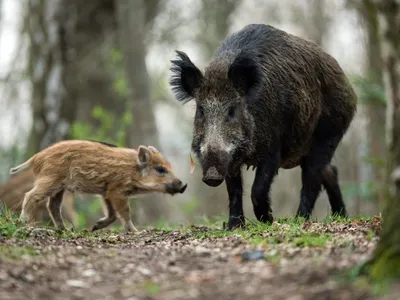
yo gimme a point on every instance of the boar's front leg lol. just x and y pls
(235, 191)
(265, 174)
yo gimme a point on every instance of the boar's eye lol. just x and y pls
(161, 170)
(200, 112)
(231, 113)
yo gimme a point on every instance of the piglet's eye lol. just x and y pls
(161, 170)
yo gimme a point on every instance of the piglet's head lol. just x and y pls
(156, 172)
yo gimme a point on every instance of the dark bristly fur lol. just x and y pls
(269, 100)
(184, 68)
(104, 143)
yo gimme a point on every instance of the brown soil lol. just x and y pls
(177, 265)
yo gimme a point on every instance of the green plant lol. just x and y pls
(116, 66)
(367, 90)
(9, 223)
(111, 128)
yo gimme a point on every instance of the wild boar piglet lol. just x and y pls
(96, 168)
(12, 194)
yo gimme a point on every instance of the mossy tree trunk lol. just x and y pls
(386, 260)
(375, 108)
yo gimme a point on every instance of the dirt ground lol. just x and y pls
(193, 263)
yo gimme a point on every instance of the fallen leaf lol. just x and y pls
(192, 165)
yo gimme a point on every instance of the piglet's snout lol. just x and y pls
(183, 188)
(176, 187)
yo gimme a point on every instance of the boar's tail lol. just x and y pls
(21, 167)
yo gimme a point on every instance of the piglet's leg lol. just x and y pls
(121, 206)
(110, 216)
(35, 197)
(54, 208)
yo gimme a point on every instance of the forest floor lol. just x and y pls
(286, 260)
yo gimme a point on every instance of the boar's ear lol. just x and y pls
(143, 156)
(244, 73)
(186, 78)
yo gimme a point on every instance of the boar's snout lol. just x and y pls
(176, 187)
(212, 177)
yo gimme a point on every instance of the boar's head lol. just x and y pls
(223, 126)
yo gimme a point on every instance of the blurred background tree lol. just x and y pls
(99, 70)
(385, 263)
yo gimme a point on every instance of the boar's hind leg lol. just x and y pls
(54, 209)
(108, 219)
(265, 174)
(330, 182)
(313, 165)
(235, 191)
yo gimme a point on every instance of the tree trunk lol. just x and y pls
(215, 22)
(52, 109)
(375, 108)
(69, 48)
(386, 260)
(94, 72)
(131, 18)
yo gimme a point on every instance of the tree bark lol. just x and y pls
(315, 19)
(52, 109)
(131, 21)
(386, 259)
(375, 108)
(94, 71)
(214, 18)
(69, 58)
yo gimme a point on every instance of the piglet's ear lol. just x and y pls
(153, 149)
(143, 156)
(244, 73)
(186, 78)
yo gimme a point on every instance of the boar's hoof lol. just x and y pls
(236, 222)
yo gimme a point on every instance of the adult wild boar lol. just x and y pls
(269, 100)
